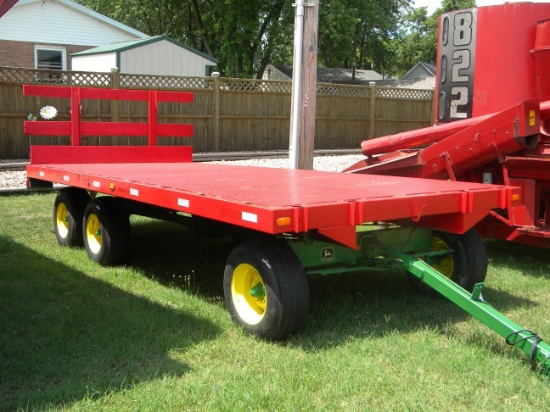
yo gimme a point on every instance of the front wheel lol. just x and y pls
(465, 264)
(266, 289)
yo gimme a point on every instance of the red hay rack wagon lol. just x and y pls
(290, 223)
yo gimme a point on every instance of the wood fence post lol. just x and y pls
(75, 116)
(216, 110)
(372, 92)
(153, 111)
(115, 83)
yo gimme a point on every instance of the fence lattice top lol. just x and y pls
(150, 82)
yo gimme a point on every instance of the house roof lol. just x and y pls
(340, 76)
(90, 13)
(424, 83)
(428, 68)
(127, 45)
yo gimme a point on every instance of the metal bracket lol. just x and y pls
(476, 293)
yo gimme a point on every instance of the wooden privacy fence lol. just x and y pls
(227, 114)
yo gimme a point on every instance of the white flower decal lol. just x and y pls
(48, 112)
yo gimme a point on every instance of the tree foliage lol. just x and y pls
(245, 36)
(417, 38)
(358, 32)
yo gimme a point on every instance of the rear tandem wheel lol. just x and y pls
(68, 210)
(106, 227)
(265, 288)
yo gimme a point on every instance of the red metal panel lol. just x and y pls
(43, 128)
(113, 129)
(47, 128)
(110, 154)
(454, 222)
(255, 197)
(177, 130)
(114, 94)
(175, 97)
(506, 33)
(109, 94)
(496, 69)
(525, 214)
(47, 91)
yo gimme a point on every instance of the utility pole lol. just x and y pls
(304, 84)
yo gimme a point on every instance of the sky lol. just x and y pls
(433, 5)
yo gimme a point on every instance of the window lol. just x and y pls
(50, 58)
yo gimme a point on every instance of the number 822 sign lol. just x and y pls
(457, 40)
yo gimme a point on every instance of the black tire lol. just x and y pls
(68, 209)
(106, 228)
(466, 266)
(274, 266)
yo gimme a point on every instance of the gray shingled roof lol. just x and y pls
(339, 76)
(126, 45)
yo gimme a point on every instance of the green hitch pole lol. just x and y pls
(529, 342)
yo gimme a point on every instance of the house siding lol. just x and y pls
(163, 58)
(95, 63)
(55, 23)
(273, 73)
(21, 54)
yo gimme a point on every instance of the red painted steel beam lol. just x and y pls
(106, 94)
(415, 138)
(63, 128)
(109, 154)
(485, 140)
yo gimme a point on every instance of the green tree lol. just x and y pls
(417, 39)
(245, 36)
(358, 32)
(242, 35)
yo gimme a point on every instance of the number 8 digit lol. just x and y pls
(462, 34)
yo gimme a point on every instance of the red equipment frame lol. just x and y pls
(263, 199)
(492, 119)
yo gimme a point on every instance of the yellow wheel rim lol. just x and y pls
(248, 294)
(445, 265)
(93, 233)
(62, 220)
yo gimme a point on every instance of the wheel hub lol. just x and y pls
(62, 220)
(248, 293)
(93, 233)
(444, 264)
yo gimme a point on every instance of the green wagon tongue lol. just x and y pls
(474, 304)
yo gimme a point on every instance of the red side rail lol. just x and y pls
(76, 128)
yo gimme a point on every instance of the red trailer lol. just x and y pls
(491, 115)
(290, 223)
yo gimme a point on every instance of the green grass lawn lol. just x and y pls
(155, 334)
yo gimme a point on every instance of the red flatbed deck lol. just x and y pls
(280, 200)
(264, 199)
